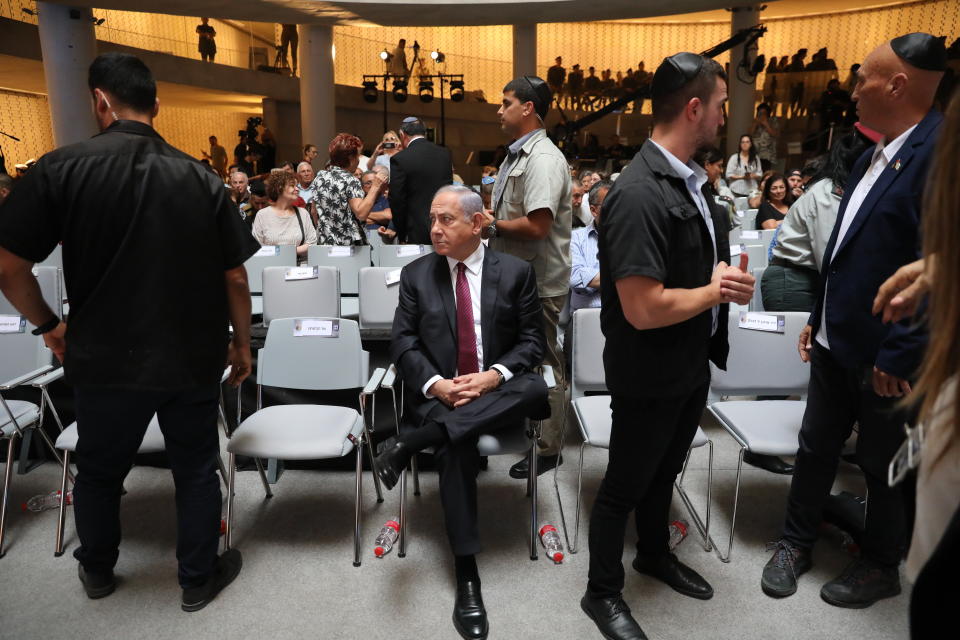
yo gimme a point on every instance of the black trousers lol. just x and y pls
(839, 397)
(458, 461)
(111, 425)
(649, 440)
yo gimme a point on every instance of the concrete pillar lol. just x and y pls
(317, 100)
(68, 45)
(524, 50)
(740, 106)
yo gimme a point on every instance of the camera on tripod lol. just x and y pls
(252, 123)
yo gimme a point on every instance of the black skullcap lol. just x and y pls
(921, 50)
(543, 93)
(258, 188)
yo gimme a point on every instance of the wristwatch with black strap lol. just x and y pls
(47, 326)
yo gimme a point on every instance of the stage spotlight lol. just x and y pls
(370, 90)
(437, 56)
(385, 55)
(400, 89)
(456, 90)
(425, 90)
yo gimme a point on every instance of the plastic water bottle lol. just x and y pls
(678, 531)
(387, 536)
(550, 540)
(46, 501)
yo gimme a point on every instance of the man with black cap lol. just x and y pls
(664, 308)
(860, 367)
(532, 219)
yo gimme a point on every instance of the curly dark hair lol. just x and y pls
(277, 181)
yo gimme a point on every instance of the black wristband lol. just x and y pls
(47, 326)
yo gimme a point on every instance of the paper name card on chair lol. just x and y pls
(316, 328)
(340, 252)
(302, 273)
(754, 321)
(392, 277)
(267, 250)
(12, 324)
(750, 235)
(736, 250)
(409, 250)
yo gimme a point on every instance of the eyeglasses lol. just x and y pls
(675, 72)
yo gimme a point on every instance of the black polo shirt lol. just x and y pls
(147, 234)
(650, 226)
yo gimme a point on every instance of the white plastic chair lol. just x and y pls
(595, 420)
(348, 259)
(25, 359)
(286, 294)
(756, 303)
(399, 255)
(761, 363)
(329, 359)
(378, 298)
(282, 256)
(503, 442)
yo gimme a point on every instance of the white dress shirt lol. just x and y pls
(474, 274)
(882, 157)
(695, 177)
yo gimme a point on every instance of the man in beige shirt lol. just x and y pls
(531, 219)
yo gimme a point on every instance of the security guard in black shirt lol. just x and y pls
(153, 253)
(664, 289)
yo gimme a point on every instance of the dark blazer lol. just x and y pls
(415, 175)
(424, 340)
(884, 236)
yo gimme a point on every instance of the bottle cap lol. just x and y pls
(558, 557)
(378, 552)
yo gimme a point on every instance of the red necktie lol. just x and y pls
(466, 336)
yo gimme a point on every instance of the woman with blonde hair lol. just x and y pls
(935, 548)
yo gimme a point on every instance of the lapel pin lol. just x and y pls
(896, 165)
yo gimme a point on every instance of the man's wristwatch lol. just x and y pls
(500, 377)
(492, 229)
(47, 326)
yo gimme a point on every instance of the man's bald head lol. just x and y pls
(891, 93)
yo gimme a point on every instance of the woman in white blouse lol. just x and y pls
(282, 223)
(743, 168)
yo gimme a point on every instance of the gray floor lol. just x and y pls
(298, 580)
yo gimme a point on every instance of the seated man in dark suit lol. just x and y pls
(467, 336)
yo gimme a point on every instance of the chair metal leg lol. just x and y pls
(223, 470)
(703, 527)
(402, 544)
(376, 476)
(576, 527)
(358, 501)
(416, 475)
(62, 515)
(533, 502)
(232, 475)
(733, 516)
(12, 444)
(263, 478)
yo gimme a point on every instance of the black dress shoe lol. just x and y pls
(96, 584)
(391, 461)
(773, 464)
(676, 575)
(521, 470)
(782, 570)
(861, 584)
(469, 616)
(224, 571)
(612, 617)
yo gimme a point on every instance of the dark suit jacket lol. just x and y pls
(415, 175)
(424, 340)
(883, 237)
